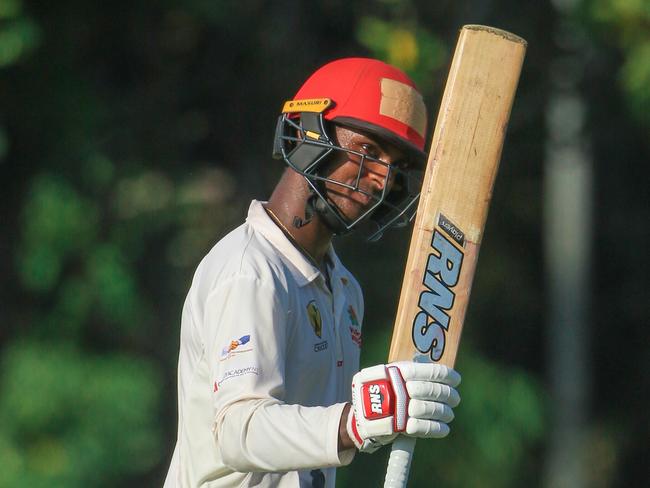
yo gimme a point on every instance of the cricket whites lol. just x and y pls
(456, 191)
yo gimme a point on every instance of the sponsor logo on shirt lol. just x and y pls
(234, 373)
(355, 335)
(320, 346)
(353, 316)
(355, 327)
(235, 347)
(315, 318)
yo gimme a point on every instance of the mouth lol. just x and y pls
(361, 199)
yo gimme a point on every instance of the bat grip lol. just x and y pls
(399, 463)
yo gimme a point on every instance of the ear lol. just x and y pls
(303, 146)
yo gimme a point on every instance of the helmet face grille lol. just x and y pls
(306, 147)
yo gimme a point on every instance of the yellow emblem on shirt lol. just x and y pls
(314, 318)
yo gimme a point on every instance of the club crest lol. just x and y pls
(314, 318)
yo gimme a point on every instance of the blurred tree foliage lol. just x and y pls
(19, 34)
(625, 24)
(133, 135)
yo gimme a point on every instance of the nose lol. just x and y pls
(380, 175)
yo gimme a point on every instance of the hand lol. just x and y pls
(415, 399)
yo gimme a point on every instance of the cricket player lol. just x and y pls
(269, 392)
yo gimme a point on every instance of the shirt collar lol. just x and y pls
(302, 268)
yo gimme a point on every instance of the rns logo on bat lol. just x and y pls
(441, 275)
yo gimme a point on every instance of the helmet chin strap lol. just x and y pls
(317, 205)
(329, 218)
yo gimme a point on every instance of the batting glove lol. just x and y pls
(409, 398)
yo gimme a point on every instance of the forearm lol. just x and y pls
(345, 442)
(269, 436)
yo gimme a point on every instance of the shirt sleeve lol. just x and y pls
(248, 329)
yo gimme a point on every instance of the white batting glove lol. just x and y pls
(409, 398)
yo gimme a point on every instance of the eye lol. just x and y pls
(370, 150)
(402, 164)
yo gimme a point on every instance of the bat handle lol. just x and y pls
(399, 463)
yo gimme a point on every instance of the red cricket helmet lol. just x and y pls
(371, 95)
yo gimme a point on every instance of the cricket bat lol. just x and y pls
(456, 191)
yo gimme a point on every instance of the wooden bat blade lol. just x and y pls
(456, 192)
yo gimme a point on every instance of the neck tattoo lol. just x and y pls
(291, 237)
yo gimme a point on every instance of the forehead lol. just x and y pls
(348, 137)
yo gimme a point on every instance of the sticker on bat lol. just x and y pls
(440, 276)
(451, 229)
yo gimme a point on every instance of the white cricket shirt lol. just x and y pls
(266, 360)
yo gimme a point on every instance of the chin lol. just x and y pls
(354, 211)
(351, 208)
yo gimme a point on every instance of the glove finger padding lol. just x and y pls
(426, 428)
(430, 411)
(434, 392)
(430, 372)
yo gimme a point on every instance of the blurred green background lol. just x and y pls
(133, 136)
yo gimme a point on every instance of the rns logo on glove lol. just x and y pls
(376, 400)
